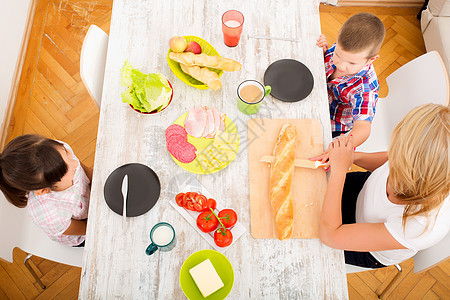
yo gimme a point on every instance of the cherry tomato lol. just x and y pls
(179, 199)
(207, 222)
(228, 217)
(210, 203)
(223, 238)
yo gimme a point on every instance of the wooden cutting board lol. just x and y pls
(308, 185)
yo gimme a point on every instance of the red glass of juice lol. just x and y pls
(232, 24)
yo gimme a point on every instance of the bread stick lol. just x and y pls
(204, 60)
(281, 175)
(203, 74)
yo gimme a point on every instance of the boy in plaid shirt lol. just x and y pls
(351, 80)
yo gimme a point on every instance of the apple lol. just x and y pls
(178, 44)
(193, 47)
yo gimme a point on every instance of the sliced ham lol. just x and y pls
(210, 124)
(196, 121)
(222, 122)
(216, 118)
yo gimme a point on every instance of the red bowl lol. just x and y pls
(154, 111)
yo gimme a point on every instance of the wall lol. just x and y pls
(13, 21)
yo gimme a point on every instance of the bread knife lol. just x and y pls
(298, 162)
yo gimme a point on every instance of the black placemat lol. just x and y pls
(143, 189)
(291, 81)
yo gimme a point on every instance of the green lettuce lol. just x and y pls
(145, 92)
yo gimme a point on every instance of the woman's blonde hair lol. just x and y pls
(419, 159)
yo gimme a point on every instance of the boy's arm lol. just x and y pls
(322, 43)
(370, 161)
(360, 132)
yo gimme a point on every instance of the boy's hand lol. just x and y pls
(322, 43)
(341, 154)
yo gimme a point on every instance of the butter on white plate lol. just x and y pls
(206, 278)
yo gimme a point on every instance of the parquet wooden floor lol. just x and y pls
(53, 101)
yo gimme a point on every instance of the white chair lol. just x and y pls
(423, 261)
(422, 80)
(17, 230)
(93, 60)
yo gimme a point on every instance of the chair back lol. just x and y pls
(428, 258)
(17, 230)
(93, 60)
(422, 80)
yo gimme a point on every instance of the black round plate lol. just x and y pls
(143, 189)
(291, 81)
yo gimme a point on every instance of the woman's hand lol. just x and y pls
(341, 154)
(322, 43)
(324, 157)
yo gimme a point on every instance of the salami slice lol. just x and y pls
(176, 129)
(186, 153)
(177, 144)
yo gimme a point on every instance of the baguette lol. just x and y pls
(203, 74)
(281, 175)
(204, 60)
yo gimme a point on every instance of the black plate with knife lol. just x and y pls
(144, 189)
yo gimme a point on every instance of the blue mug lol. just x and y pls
(162, 237)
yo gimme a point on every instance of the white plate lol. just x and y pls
(191, 184)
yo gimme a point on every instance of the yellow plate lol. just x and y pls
(202, 143)
(176, 69)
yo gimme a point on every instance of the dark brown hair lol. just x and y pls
(361, 32)
(30, 162)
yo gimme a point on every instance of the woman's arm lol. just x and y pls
(356, 237)
(76, 227)
(370, 161)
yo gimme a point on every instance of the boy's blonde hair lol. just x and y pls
(361, 32)
(419, 159)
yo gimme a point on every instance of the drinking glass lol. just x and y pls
(232, 24)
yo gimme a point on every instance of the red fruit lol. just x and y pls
(228, 217)
(193, 47)
(179, 199)
(210, 203)
(223, 238)
(207, 222)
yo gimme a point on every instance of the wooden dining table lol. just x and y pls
(115, 264)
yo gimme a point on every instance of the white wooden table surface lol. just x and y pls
(115, 265)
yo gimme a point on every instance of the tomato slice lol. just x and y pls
(179, 199)
(198, 207)
(189, 205)
(201, 199)
(193, 196)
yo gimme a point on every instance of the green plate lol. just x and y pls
(223, 268)
(176, 69)
(202, 143)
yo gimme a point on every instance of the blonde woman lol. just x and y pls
(402, 205)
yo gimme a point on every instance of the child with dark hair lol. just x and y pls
(46, 177)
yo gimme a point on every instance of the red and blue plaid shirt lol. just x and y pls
(351, 98)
